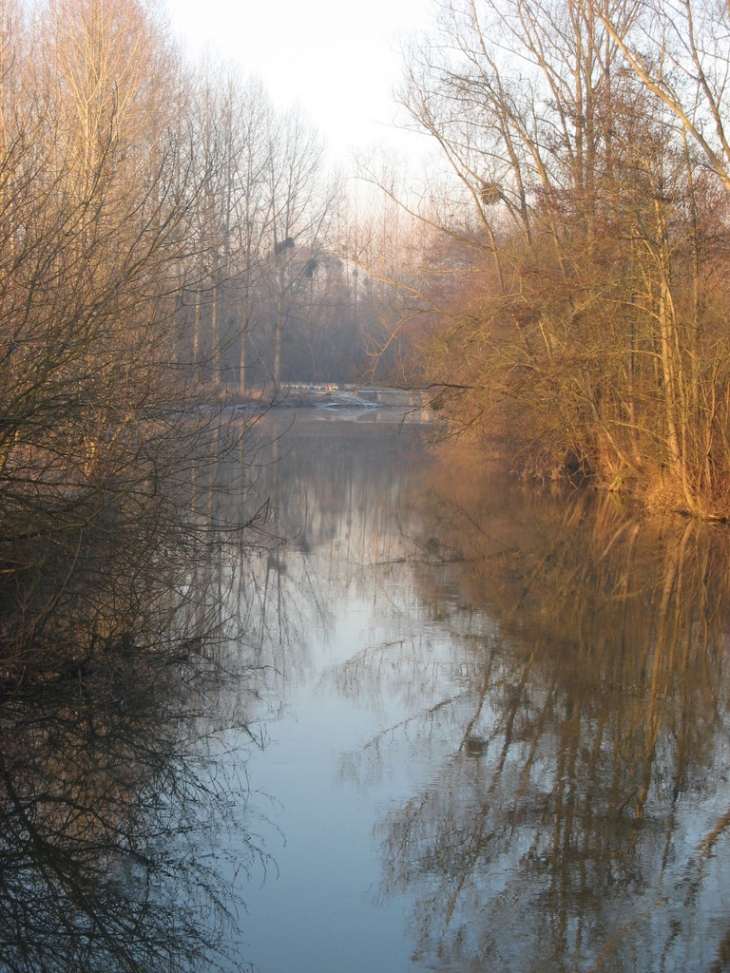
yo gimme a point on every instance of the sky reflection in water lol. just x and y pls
(498, 730)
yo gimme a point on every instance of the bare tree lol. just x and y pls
(302, 203)
(97, 190)
(586, 326)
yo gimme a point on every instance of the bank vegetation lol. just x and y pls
(574, 290)
(105, 289)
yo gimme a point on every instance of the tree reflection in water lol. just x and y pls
(116, 798)
(556, 675)
(580, 821)
(106, 860)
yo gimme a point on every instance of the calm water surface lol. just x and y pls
(493, 720)
(449, 723)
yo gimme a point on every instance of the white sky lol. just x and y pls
(338, 59)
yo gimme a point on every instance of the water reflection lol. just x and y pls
(102, 812)
(535, 714)
(341, 508)
(580, 820)
(117, 802)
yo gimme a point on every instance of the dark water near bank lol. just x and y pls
(452, 724)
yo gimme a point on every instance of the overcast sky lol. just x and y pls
(338, 59)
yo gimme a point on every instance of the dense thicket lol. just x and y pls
(167, 239)
(124, 180)
(583, 284)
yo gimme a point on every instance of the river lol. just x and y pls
(498, 728)
(453, 723)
